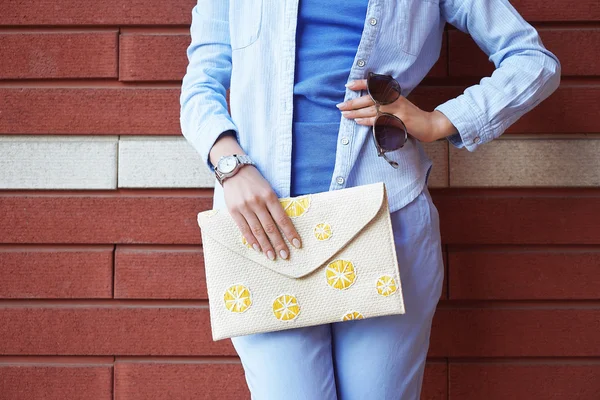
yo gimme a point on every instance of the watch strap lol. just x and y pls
(244, 159)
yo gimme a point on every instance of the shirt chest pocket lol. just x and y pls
(245, 20)
(413, 27)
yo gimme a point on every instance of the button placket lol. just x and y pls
(342, 167)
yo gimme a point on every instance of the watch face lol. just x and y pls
(227, 164)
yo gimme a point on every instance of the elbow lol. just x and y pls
(556, 75)
(553, 72)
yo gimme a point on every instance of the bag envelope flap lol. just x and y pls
(326, 223)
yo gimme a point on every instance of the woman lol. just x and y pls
(300, 112)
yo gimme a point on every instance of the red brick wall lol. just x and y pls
(102, 292)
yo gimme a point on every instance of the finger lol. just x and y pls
(360, 113)
(365, 121)
(359, 102)
(359, 84)
(266, 219)
(284, 222)
(258, 231)
(244, 228)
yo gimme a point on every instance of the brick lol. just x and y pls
(161, 162)
(112, 110)
(440, 68)
(167, 272)
(127, 111)
(575, 48)
(55, 381)
(153, 57)
(46, 55)
(518, 216)
(165, 218)
(203, 380)
(108, 328)
(566, 110)
(524, 273)
(161, 57)
(516, 330)
(132, 328)
(122, 12)
(56, 272)
(110, 12)
(542, 216)
(159, 273)
(557, 10)
(438, 152)
(192, 380)
(548, 380)
(435, 381)
(58, 162)
(544, 162)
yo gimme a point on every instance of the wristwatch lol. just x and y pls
(228, 166)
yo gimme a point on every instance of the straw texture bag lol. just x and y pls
(346, 269)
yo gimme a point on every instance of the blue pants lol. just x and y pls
(375, 358)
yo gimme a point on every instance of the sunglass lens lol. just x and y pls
(384, 88)
(390, 132)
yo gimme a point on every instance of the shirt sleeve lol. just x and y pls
(526, 72)
(204, 115)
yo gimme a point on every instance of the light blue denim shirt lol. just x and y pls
(249, 47)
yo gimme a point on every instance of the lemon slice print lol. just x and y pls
(295, 206)
(286, 308)
(322, 231)
(352, 315)
(245, 243)
(340, 274)
(386, 285)
(237, 298)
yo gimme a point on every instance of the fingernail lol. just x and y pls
(271, 255)
(340, 105)
(344, 113)
(256, 247)
(283, 254)
(296, 243)
(351, 83)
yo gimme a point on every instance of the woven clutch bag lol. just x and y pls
(346, 269)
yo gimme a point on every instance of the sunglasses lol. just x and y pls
(389, 132)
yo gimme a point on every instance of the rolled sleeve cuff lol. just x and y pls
(203, 138)
(467, 119)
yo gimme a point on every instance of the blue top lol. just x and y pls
(327, 38)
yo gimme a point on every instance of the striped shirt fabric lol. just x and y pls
(249, 47)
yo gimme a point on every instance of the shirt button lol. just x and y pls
(345, 140)
(477, 139)
(361, 63)
(373, 21)
(340, 180)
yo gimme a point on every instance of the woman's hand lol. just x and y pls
(258, 213)
(423, 125)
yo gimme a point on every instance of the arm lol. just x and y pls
(526, 72)
(204, 117)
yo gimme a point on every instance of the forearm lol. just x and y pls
(442, 127)
(227, 144)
